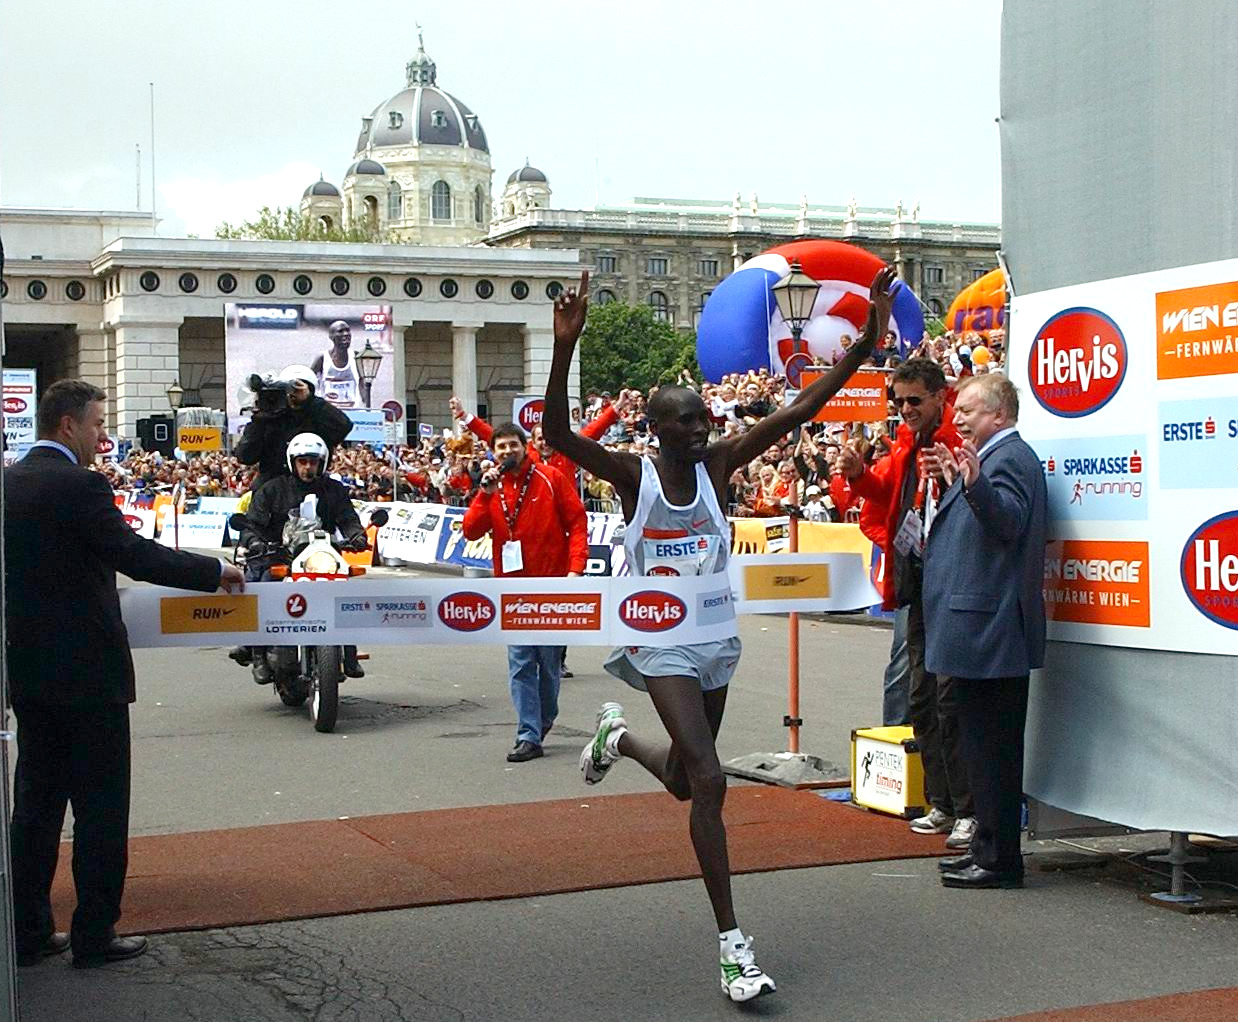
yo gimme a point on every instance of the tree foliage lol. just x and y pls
(285, 223)
(627, 346)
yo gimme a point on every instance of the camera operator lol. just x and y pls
(306, 459)
(285, 407)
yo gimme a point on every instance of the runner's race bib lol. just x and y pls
(681, 555)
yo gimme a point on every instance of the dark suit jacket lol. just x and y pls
(65, 539)
(984, 566)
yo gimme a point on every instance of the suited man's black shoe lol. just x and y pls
(978, 878)
(118, 949)
(954, 863)
(523, 752)
(56, 944)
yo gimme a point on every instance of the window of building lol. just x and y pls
(656, 266)
(977, 274)
(705, 297)
(438, 118)
(371, 210)
(608, 264)
(440, 201)
(661, 307)
(708, 268)
(934, 275)
(479, 205)
(395, 201)
(604, 297)
(935, 307)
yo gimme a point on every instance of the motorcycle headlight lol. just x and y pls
(322, 562)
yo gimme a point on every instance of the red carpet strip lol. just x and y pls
(1197, 1006)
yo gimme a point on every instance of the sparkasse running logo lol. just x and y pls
(652, 611)
(1077, 362)
(466, 612)
(1210, 569)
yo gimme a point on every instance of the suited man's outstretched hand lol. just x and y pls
(230, 578)
(969, 463)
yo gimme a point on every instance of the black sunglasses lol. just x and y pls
(915, 402)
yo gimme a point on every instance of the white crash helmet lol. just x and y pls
(308, 445)
(292, 373)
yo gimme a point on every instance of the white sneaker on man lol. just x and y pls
(602, 752)
(742, 978)
(936, 822)
(964, 830)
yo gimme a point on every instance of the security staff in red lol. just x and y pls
(538, 528)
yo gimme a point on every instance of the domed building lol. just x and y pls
(527, 188)
(322, 203)
(421, 166)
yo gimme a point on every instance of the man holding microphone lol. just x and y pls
(538, 528)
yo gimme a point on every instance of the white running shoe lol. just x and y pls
(964, 830)
(742, 978)
(602, 752)
(936, 822)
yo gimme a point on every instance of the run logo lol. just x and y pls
(466, 612)
(1210, 569)
(652, 611)
(1077, 362)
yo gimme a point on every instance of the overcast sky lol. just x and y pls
(878, 99)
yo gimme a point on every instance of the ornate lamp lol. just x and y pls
(176, 394)
(795, 294)
(367, 366)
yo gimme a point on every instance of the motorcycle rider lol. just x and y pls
(307, 457)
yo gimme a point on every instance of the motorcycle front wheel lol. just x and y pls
(325, 681)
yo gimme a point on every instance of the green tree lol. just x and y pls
(284, 223)
(627, 346)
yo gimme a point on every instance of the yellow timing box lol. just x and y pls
(200, 438)
(886, 772)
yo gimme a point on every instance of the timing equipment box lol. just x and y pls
(886, 772)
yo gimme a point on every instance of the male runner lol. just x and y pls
(338, 379)
(681, 494)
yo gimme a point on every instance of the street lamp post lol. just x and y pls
(176, 394)
(367, 367)
(796, 294)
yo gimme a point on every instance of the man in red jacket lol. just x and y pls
(538, 528)
(910, 496)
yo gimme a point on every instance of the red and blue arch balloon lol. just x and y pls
(741, 328)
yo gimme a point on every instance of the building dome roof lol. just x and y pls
(527, 173)
(366, 166)
(321, 187)
(422, 114)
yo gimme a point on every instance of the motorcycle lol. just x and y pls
(305, 551)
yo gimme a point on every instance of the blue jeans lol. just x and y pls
(533, 672)
(896, 690)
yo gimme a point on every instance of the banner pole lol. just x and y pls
(792, 720)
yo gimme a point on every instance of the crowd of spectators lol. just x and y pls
(796, 475)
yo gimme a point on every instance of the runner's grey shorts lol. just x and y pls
(712, 663)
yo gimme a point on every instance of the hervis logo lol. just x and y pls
(134, 522)
(652, 611)
(182, 615)
(531, 414)
(466, 612)
(1077, 362)
(1210, 569)
(14, 405)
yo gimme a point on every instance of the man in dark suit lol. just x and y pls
(71, 674)
(984, 617)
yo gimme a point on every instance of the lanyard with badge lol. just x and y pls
(512, 556)
(909, 540)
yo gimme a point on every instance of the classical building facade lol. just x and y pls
(672, 253)
(96, 295)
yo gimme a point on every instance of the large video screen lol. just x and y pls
(266, 337)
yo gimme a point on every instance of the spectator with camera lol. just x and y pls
(284, 407)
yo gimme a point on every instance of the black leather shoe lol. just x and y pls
(977, 878)
(118, 949)
(565, 673)
(262, 673)
(56, 944)
(523, 752)
(954, 863)
(241, 655)
(353, 669)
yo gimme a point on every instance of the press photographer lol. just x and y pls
(283, 407)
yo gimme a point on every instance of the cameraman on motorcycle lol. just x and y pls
(287, 406)
(307, 457)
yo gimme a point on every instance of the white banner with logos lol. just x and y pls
(514, 611)
(1128, 398)
(20, 413)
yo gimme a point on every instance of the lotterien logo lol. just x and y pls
(1077, 362)
(1210, 569)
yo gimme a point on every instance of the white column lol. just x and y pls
(538, 351)
(464, 365)
(147, 363)
(95, 364)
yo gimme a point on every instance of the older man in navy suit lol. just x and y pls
(984, 613)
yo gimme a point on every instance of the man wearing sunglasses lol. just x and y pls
(909, 496)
